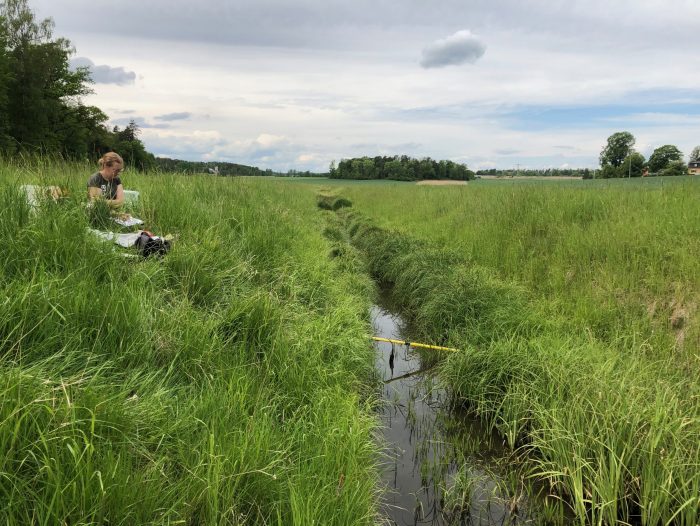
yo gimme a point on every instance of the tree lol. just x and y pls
(130, 147)
(695, 155)
(632, 166)
(6, 141)
(619, 146)
(662, 156)
(675, 168)
(41, 95)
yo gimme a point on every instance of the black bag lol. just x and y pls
(149, 245)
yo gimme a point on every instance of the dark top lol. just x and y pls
(109, 188)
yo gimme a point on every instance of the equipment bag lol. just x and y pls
(149, 245)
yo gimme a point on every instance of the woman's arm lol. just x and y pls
(96, 193)
(119, 200)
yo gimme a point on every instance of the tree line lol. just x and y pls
(619, 159)
(41, 108)
(218, 168)
(399, 168)
(583, 173)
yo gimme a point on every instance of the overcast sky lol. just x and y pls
(296, 84)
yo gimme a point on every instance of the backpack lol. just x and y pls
(149, 245)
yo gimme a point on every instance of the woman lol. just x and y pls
(106, 183)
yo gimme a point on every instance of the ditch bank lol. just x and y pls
(613, 436)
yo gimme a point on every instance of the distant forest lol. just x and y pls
(399, 168)
(197, 167)
(225, 169)
(584, 173)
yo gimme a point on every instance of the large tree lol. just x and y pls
(40, 95)
(662, 156)
(695, 155)
(42, 86)
(619, 146)
(6, 141)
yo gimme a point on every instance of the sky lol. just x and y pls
(298, 84)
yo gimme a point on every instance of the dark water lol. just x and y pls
(443, 468)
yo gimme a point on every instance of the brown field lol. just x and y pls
(532, 177)
(440, 182)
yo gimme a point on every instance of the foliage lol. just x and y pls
(130, 147)
(675, 168)
(41, 110)
(618, 147)
(583, 173)
(401, 168)
(695, 155)
(662, 156)
(632, 166)
(609, 172)
(220, 168)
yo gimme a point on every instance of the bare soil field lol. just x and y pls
(530, 177)
(440, 182)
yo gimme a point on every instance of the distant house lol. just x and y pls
(694, 168)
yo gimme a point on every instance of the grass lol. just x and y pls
(227, 382)
(566, 299)
(223, 384)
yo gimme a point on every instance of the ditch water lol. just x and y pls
(442, 467)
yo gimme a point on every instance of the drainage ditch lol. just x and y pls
(442, 467)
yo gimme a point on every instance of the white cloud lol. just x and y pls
(460, 48)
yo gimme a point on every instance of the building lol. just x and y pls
(694, 168)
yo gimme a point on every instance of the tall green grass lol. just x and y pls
(605, 410)
(222, 384)
(618, 259)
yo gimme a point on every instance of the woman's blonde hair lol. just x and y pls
(109, 159)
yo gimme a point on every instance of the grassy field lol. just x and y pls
(576, 305)
(230, 382)
(226, 383)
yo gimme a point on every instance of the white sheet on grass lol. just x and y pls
(123, 240)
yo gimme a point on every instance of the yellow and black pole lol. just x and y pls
(415, 344)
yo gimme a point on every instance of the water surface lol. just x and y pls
(442, 467)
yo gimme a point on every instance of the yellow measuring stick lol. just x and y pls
(414, 344)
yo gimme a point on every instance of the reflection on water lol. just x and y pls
(442, 468)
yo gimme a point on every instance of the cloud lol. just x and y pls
(459, 48)
(183, 115)
(104, 74)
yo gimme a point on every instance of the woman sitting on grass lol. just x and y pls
(106, 183)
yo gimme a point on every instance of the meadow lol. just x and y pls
(229, 382)
(575, 304)
(232, 380)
